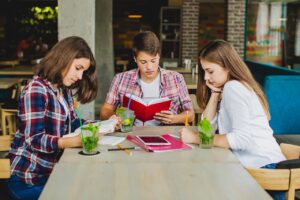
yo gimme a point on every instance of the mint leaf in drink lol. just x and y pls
(204, 126)
(92, 128)
(205, 133)
(120, 110)
(90, 141)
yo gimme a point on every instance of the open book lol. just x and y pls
(106, 126)
(144, 109)
(111, 140)
(176, 144)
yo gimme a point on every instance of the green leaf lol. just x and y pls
(92, 128)
(120, 110)
(90, 142)
(204, 126)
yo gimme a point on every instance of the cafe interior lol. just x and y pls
(265, 33)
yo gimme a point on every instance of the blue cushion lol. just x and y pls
(283, 95)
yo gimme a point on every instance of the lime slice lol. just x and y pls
(126, 121)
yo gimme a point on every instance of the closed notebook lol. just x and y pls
(176, 144)
(145, 109)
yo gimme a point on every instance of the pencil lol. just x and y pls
(186, 124)
(124, 149)
(128, 148)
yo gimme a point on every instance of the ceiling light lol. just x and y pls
(135, 16)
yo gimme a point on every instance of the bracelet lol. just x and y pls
(213, 91)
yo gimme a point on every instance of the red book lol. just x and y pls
(145, 109)
(176, 144)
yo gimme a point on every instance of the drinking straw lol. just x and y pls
(129, 101)
(76, 105)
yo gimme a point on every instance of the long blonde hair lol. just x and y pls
(223, 54)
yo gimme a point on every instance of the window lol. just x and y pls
(273, 32)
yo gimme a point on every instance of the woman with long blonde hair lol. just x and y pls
(235, 105)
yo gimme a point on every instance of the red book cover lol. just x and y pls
(176, 144)
(144, 110)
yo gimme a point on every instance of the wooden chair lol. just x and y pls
(4, 168)
(197, 109)
(280, 179)
(290, 151)
(5, 141)
(9, 111)
(123, 63)
(8, 115)
(5, 163)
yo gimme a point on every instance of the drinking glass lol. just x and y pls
(127, 119)
(89, 142)
(206, 140)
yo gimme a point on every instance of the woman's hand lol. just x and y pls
(188, 136)
(118, 121)
(166, 117)
(77, 142)
(210, 86)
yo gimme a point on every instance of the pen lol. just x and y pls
(186, 124)
(119, 149)
(124, 149)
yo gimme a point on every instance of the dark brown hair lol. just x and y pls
(60, 57)
(224, 54)
(146, 41)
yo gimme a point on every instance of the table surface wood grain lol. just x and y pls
(190, 174)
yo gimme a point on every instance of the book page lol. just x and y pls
(148, 101)
(111, 140)
(106, 126)
(152, 122)
(136, 98)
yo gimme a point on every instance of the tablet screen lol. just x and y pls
(153, 140)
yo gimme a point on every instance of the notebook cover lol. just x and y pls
(146, 112)
(176, 144)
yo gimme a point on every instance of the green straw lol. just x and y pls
(79, 116)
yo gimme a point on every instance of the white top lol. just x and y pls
(242, 118)
(151, 89)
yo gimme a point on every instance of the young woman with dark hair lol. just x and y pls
(46, 112)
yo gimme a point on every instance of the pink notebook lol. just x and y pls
(176, 144)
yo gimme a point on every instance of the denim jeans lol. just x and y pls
(20, 190)
(277, 195)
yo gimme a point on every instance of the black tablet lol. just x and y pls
(153, 140)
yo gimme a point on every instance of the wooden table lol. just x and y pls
(181, 70)
(18, 70)
(6, 83)
(191, 80)
(11, 63)
(191, 174)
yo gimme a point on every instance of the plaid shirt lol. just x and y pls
(42, 121)
(172, 85)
